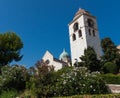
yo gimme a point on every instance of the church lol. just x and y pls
(83, 32)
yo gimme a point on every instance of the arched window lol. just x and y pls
(93, 32)
(74, 37)
(90, 22)
(80, 33)
(75, 27)
(89, 32)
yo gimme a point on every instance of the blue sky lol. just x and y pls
(43, 24)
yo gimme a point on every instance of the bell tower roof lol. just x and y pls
(80, 12)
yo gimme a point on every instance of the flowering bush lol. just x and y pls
(66, 82)
(13, 77)
(79, 81)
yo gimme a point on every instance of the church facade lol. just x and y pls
(83, 32)
(63, 61)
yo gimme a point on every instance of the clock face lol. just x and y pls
(90, 23)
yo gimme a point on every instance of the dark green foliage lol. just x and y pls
(79, 64)
(41, 82)
(111, 53)
(89, 60)
(111, 78)
(10, 46)
(109, 67)
(94, 96)
(79, 81)
(109, 49)
(65, 82)
(13, 77)
(8, 94)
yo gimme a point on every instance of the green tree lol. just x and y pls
(89, 60)
(10, 46)
(13, 77)
(111, 53)
(109, 49)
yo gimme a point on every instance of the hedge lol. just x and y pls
(94, 96)
(111, 78)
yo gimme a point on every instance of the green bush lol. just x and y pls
(13, 77)
(8, 94)
(42, 84)
(94, 96)
(67, 82)
(79, 81)
(111, 78)
(109, 67)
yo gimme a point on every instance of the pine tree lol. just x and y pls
(10, 46)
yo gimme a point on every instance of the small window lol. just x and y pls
(89, 32)
(80, 33)
(93, 32)
(75, 27)
(90, 22)
(74, 37)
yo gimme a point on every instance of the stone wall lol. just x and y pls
(114, 88)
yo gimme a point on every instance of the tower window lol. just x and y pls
(89, 32)
(90, 22)
(75, 27)
(93, 32)
(80, 33)
(74, 37)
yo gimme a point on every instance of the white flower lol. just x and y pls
(83, 84)
(91, 86)
(64, 82)
(94, 90)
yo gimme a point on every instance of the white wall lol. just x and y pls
(77, 46)
(80, 44)
(49, 56)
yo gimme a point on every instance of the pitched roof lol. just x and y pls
(80, 12)
(118, 47)
(60, 61)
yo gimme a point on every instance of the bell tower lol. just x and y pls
(83, 32)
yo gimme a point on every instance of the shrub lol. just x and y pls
(94, 96)
(111, 78)
(79, 81)
(66, 82)
(13, 77)
(8, 94)
(41, 85)
(109, 67)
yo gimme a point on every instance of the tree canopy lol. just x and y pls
(109, 49)
(89, 59)
(10, 46)
(111, 53)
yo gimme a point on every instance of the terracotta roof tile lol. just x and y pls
(80, 12)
